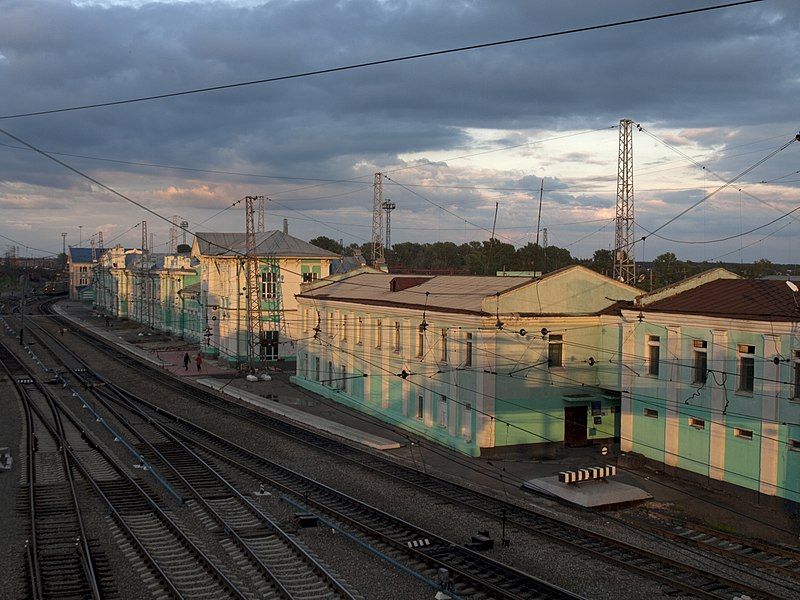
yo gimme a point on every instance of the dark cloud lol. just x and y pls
(717, 81)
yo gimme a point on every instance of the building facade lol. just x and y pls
(483, 365)
(284, 263)
(713, 374)
(80, 265)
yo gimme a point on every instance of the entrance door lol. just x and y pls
(575, 425)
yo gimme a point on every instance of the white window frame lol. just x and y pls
(745, 352)
(269, 285)
(653, 355)
(699, 353)
(442, 411)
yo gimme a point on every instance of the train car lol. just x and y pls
(54, 288)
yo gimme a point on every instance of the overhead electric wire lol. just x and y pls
(385, 61)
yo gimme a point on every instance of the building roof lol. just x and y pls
(445, 293)
(268, 243)
(754, 299)
(345, 264)
(84, 255)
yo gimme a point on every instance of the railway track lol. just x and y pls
(60, 561)
(673, 574)
(181, 568)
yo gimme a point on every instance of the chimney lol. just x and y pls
(286, 226)
(398, 284)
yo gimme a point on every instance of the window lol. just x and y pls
(305, 319)
(421, 340)
(649, 412)
(329, 327)
(344, 328)
(343, 379)
(316, 368)
(747, 360)
(442, 411)
(466, 421)
(653, 353)
(360, 331)
(309, 277)
(378, 333)
(420, 407)
(468, 351)
(794, 445)
(396, 343)
(700, 361)
(329, 379)
(555, 351)
(269, 285)
(745, 434)
(796, 367)
(697, 423)
(444, 346)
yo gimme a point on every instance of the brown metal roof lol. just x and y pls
(756, 299)
(448, 293)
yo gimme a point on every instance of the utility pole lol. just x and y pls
(491, 241)
(538, 224)
(63, 243)
(100, 240)
(184, 227)
(388, 206)
(544, 250)
(624, 261)
(377, 220)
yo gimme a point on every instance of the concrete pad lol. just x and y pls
(589, 494)
(317, 422)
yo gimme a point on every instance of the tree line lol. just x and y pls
(492, 256)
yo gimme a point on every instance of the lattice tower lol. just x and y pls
(388, 206)
(173, 235)
(377, 220)
(143, 287)
(261, 203)
(624, 260)
(255, 320)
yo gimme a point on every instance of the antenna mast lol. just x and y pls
(377, 220)
(624, 260)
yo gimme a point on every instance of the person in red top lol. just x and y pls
(199, 361)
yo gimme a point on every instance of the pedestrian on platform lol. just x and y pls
(186, 360)
(199, 361)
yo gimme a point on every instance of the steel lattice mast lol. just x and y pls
(173, 235)
(377, 220)
(255, 323)
(388, 206)
(143, 260)
(261, 202)
(624, 260)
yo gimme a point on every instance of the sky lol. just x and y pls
(712, 94)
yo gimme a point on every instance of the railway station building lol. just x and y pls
(713, 373)
(80, 265)
(488, 366)
(285, 262)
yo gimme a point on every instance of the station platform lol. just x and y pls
(302, 417)
(598, 494)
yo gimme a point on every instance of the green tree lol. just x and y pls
(327, 243)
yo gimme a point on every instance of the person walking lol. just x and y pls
(186, 360)
(199, 361)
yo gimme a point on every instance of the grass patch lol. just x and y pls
(722, 527)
